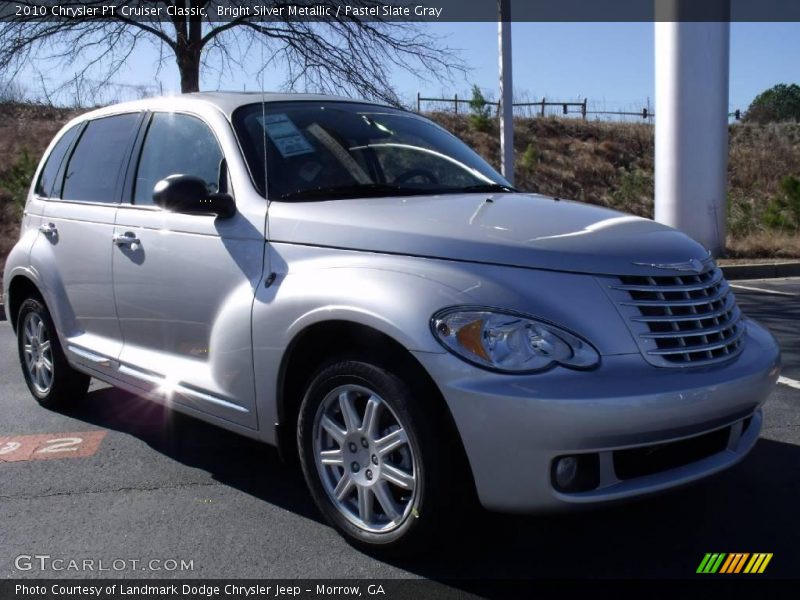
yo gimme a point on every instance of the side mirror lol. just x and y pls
(189, 195)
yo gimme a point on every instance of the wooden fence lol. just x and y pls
(564, 108)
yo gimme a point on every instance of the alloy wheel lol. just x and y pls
(365, 458)
(38, 353)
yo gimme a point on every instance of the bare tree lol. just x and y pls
(342, 54)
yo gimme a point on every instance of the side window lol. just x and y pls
(47, 186)
(96, 164)
(176, 145)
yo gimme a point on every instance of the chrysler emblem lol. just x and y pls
(692, 264)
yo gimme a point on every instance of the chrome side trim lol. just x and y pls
(159, 382)
(97, 359)
(142, 375)
(206, 397)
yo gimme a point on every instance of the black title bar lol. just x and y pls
(701, 587)
(401, 10)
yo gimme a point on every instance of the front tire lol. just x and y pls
(371, 457)
(47, 373)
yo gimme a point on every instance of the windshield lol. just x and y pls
(327, 150)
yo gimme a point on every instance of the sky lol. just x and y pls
(611, 64)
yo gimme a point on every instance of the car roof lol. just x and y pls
(226, 102)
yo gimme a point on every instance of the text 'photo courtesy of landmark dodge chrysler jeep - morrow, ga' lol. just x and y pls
(350, 282)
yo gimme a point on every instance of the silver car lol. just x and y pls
(351, 283)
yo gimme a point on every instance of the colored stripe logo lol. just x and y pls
(735, 562)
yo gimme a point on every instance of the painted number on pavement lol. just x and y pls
(44, 446)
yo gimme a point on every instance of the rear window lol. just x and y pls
(94, 169)
(49, 184)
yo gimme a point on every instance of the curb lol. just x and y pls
(762, 271)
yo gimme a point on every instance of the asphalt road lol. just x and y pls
(162, 486)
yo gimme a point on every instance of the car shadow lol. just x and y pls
(749, 508)
(231, 459)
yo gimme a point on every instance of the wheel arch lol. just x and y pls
(20, 288)
(310, 348)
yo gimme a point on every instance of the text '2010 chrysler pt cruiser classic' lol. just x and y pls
(351, 283)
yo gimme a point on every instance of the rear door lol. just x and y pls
(184, 284)
(47, 188)
(79, 224)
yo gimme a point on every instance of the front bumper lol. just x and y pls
(513, 427)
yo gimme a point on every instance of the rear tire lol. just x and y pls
(375, 458)
(50, 378)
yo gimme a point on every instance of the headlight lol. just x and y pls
(509, 342)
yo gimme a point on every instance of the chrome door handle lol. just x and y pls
(126, 239)
(48, 228)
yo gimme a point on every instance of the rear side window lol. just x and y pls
(176, 145)
(48, 185)
(94, 168)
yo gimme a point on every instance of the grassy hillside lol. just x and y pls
(612, 164)
(597, 162)
(25, 132)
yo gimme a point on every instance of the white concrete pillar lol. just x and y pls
(691, 153)
(506, 91)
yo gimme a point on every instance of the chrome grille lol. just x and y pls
(681, 320)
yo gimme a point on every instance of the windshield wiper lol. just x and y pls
(366, 190)
(488, 187)
(358, 190)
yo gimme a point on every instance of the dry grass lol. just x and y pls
(760, 155)
(29, 127)
(764, 244)
(592, 161)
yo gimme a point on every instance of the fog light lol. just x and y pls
(566, 471)
(575, 473)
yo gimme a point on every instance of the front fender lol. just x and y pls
(393, 295)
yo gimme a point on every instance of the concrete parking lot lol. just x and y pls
(145, 484)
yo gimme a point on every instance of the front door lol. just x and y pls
(184, 283)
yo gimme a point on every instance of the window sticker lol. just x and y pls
(285, 135)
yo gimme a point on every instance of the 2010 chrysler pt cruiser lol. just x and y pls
(351, 283)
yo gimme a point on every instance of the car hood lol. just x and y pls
(519, 230)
